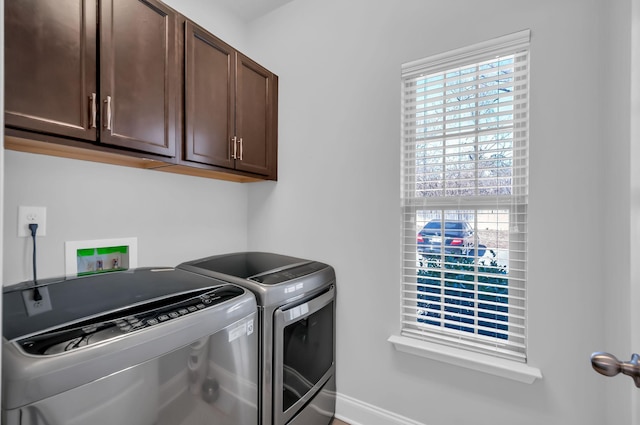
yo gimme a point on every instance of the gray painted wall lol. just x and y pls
(217, 19)
(174, 217)
(337, 199)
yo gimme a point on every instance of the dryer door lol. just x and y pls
(304, 353)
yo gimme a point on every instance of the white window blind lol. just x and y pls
(464, 197)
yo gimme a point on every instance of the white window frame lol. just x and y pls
(434, 343)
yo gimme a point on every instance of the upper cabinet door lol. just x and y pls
(209, 98)
(50, 66)
(138, 79)
(255, 116)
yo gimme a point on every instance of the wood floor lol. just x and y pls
(338, 422)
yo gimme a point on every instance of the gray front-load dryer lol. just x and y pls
(297, 315)
(142, 347)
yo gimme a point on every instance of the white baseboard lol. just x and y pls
(356, 412)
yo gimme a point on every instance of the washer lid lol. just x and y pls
(245, 265)
(274, 279)
(74, 299)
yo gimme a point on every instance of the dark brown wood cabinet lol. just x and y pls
(209, 98)
(256, 117)
(50, 66)
(133, 82)
(230, 107)
(53, 85)
(138, 75)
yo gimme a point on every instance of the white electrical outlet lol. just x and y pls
(36, 306)
(29, 215)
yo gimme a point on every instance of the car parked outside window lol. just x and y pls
(457, 238)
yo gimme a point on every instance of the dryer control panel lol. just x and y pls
(273, 278)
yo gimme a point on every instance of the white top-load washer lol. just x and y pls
(142, 347)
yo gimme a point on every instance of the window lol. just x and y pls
(464, 197)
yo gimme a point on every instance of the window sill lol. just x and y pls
(481, 362)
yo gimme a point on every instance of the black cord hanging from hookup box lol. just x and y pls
(36, 292)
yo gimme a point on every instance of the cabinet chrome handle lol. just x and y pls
(240, 148)
(608, 365)
(234, 140)
(108, 107)
(93, 108)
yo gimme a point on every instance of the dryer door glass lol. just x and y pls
(308, 354)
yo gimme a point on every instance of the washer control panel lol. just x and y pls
(120, 323)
